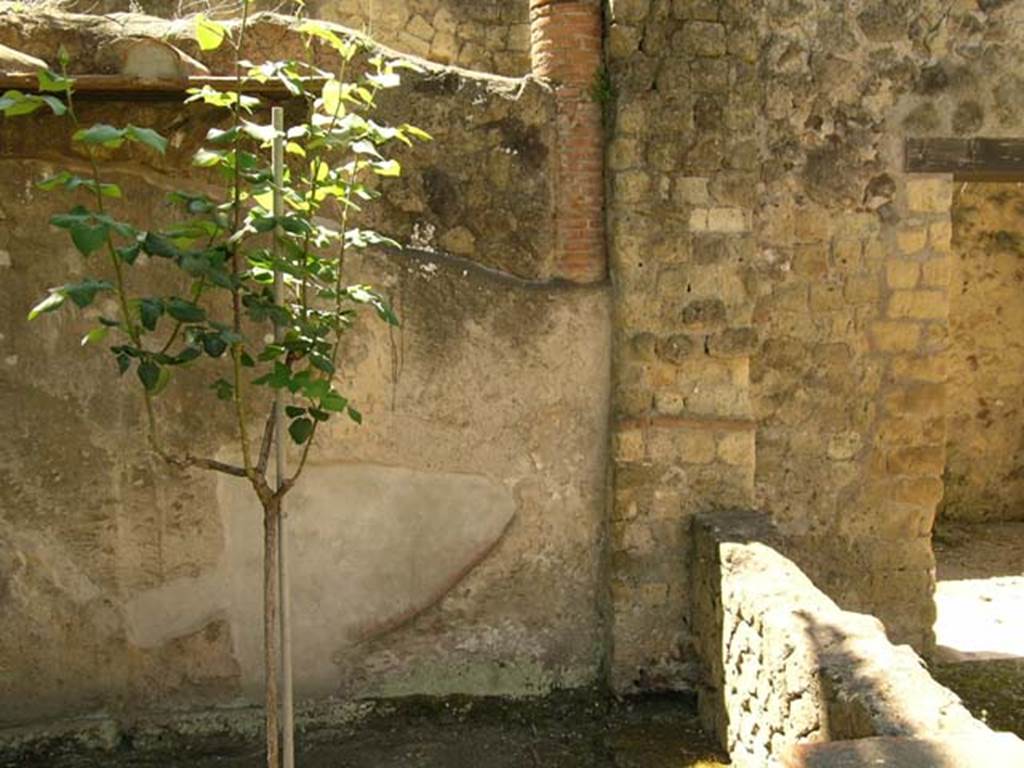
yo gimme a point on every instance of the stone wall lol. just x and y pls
(485, 35)
(785, 666)
(452, 544)
(984, 458)
(782, 288)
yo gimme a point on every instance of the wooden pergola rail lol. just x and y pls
(121, 86)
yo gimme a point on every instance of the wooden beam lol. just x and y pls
(122, 87)
(976, 159)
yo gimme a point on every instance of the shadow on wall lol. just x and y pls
(845, 714)
(870, 715)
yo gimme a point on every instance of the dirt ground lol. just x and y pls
(562, 732)
(979, 551)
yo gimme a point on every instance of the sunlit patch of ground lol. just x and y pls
(980, 628)
(980, 591)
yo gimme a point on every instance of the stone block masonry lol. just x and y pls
(485, 35)
(784, 668)
(683, 178)
(774, 266)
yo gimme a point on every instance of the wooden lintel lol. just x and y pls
(121, 87)
(977, 159)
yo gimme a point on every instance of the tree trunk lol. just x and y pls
(271, 631)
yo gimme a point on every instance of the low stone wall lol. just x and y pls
(785, 665)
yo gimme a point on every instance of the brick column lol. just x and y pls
(566, 48)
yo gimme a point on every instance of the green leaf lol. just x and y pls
(53, 82)
(187, 355)
(319, 415)
(56, 105)
(224, 389)
(322, 362)
(207, 158)
(294, 411)
(316, 389)
(385, 80)
(214, 344)
(129, 253)
(146, 136)
(54, 301)
(209, 33)
(149, 374)
(264, 133)
(301, 430)
(271, 352)
(184, 311)
(76, 216)
(89, 236)
(331, 95)
(83, 293)
(123, 363)
(102, 135)
(150, 311)
(57, 180)
(95, 336)
(158, 245)
(332, 401)
(224, 99)
(417, 133)
(161, 382)
(346, 48)
(15, 103)
(387, 168)
(355, 415)
(279, 378)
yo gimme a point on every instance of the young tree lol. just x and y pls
(261, 266)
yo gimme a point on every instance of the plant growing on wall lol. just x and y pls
(261, 266)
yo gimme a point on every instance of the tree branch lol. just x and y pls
(265, 443)
(188, 461)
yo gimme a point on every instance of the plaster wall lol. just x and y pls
(449, 545)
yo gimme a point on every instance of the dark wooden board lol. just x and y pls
(979, 158)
